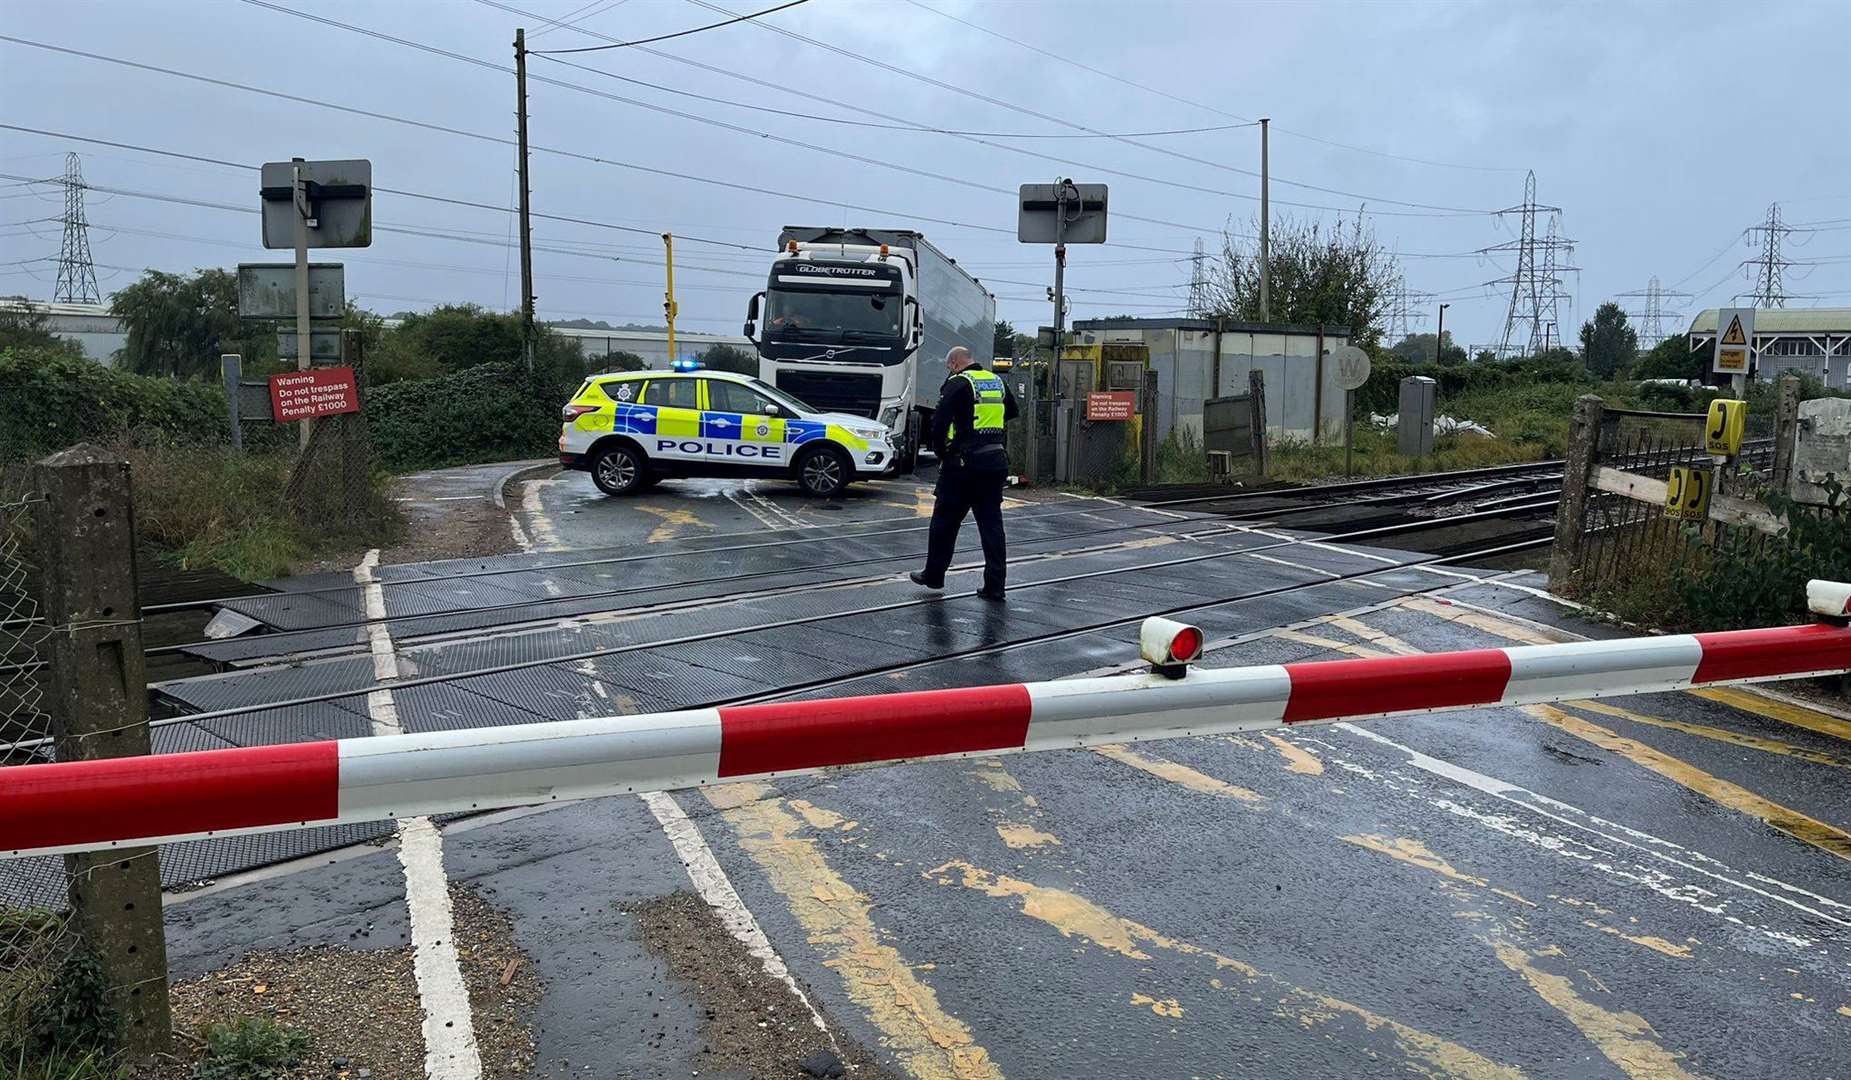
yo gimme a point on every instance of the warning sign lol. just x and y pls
(1111, 404)
(304, 395)
(1734, 341)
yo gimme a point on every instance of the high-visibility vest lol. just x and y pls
(987, 412)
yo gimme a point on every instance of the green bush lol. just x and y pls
(55, 400)
(53, 994)
(250, 1048)
(1744, 579)
(491, 412)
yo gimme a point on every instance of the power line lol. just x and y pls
(577, 15)
(1068, 61)
(509, 8)
(501, 141)
(676, 34)
(1024, 110)
(901, 126)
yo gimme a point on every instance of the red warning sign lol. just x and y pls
(304, 395)
(1111, 404)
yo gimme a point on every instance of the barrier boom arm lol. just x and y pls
(97, 805)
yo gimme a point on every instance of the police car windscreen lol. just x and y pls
(833, 314)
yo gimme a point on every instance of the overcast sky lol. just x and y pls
(1662, 130)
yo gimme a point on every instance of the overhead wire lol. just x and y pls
(676, 34)
(916, 76)
(680, 176)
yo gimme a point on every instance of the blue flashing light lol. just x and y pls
(687, 365)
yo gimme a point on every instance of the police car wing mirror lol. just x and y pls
(771, 409)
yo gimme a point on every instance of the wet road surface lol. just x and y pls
(1653, 887)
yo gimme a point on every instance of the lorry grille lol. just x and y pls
(834, 391)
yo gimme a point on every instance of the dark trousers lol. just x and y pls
(979, 492)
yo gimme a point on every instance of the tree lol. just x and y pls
(1608, 342)
(1418, 348)
(455, 337)
(618, 360)
(1008, 342)
(723, 357)
(1339, 277)
(179, 325)
(1672, 358)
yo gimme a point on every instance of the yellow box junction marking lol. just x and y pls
(1625, 1038)
(931, 1043)
(1075, 916)
(1797, 715)
(1790, 821)
(673, 521)
(1297, 758)
(1734, 738)
(1169, 1007)
(1177, 773)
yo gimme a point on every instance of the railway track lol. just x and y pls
(365, 684)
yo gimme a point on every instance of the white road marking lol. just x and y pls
(543, 535)
(1612, 833)
(684, 835)
(773, 508)
(450, 1051)
(715, 888)
(733, 497)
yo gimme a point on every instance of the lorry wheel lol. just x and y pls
(620, 470)
(909, 447)
(823, 472)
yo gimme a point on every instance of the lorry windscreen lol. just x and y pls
(832, 315)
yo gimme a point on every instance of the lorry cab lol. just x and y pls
(632, 429)
(858, 321)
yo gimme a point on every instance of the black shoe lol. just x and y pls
(995, 595)
(918, 577)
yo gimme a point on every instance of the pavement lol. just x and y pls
(1651, 887)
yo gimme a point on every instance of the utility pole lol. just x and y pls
(1266, 230)
(520, 113)
(1439, 339)
(669, 308)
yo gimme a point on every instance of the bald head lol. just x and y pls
(958, 359)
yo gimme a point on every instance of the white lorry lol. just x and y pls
(859, 321)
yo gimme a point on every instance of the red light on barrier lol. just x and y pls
(1186, 645)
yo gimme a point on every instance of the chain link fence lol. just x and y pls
(40, 951)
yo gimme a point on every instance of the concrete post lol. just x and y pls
(1786, 430)
(1584, 441)
(231, 371)
(1147, 429)
(1256, 400)
(356, 446)
(97, 699)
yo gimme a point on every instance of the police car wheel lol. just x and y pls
(619, 470)
(823, 473)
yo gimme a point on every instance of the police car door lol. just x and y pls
(678, 419)
(739, 427)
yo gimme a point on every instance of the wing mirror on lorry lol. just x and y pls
(918, 329)
(751, 327)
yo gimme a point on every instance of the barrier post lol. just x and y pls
(1584, 438)
(84, 528)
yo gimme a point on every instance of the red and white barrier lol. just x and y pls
(81, 806)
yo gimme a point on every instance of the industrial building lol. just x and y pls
(1198, 359)
(1808, 341)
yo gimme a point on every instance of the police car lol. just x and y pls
(631, 429)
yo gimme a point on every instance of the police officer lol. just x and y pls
(967, 436)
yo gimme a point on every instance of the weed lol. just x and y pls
(250, 1048)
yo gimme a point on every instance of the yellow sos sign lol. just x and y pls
(1687, 493)
(1722, 432)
